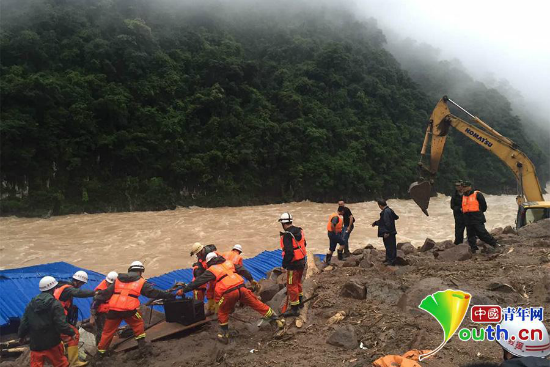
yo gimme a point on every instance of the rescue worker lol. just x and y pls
(44, 321)
(334, 230)
(293, 244)
(386, 230)
(456, 206)
(65, 292)
(198, 268)
(235, 255)
(348, 226)
(228, 290)
(124, 303)
(525, 353)
(99, 313)
(473, 207)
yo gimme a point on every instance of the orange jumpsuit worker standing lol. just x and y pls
(293, 244)
(65, 293)
(235, 255)
(228, 290)
(99, 313)
(123, 296)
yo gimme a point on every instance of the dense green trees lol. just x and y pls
(136, 105)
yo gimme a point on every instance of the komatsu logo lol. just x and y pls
(480, 138)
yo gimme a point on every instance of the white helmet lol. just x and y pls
(238, 248)
(196, 248)
(210, 256)
(136, 265)
(519, 330)
(285, 218)
(111, 277)
(81, 276)
(47, 283)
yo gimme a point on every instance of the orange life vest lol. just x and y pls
(299, 246)
(66, 304)
(234, 257)
(126, 295)
(104, 307)
(338, 226)
(226, 278)
(470, 203)
(195, 268)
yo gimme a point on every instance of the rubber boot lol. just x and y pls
(301, 298)
(223, 335)
(327, 259)
(72, 356)
(294, 311)
(340, 255)
(144, 347)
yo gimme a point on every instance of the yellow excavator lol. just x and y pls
(531, 204)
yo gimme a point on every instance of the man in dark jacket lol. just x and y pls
(123, 300)
(348, 226)
(456, 206)
(473, 207)
(386, 230)
(293, 243)
(44, 321)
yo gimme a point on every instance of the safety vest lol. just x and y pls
(104, 307)
(226, 278)
(298, 246)
(195, 268)
(470, 203)
(338, 226)
(125, 296)
(66, 304)
(234, 257)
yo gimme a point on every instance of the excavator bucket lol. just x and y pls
(420, 193)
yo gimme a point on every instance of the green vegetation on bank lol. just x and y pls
(111, 105)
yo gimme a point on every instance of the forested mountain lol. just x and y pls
(137, 105)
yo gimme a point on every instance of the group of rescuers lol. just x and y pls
(49, 319)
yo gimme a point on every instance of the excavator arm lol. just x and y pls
(506, 150)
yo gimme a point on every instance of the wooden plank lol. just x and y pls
(157, 332)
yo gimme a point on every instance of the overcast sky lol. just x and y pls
(509, 38)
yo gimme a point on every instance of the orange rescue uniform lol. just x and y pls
(294, 277)
(71, 341)
(235, 257)
(338, 226)
(55, 355)
(470, 203)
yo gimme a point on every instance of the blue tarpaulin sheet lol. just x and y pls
(19, 286)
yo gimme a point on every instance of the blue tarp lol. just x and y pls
(19, 286)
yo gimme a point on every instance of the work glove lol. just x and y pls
(211, 307)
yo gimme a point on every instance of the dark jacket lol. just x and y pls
(476, 217)
(44, 320)
(208, 276)
(147, 290)
(526, 362)
(456, 203)
(386, 223)
(72, 292)
(289, 248)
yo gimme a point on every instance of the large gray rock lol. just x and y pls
(509, 230)
(428, 245)
(540, 229)
(400, 259)
(365, 264)
(496, 231)
(274, 273)
(277, 300)
(344, 337)
(354, 289)
(352, 261)
(456, 253)
(269, 289)
(358, 251)
(406, 247)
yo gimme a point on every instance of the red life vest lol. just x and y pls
(104, 307)
(126, 295)
(226, 278)
(66, 304)
(338, 226)
(470, 203)
(299, 246)
(234, 257)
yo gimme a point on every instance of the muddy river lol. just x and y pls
(105, 242)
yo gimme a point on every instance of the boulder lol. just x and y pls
(428, 245)
(540, 229)
(344, 337)
(406, 247)
(274, 273)
(456, 253)
(354, 289)
(352, 261)
(269, 289)
(277, 300)
(365, 264)
(400, 259)
(496, 231)
(509, 230)
(368, 247)
(358, 251)
(501, 287)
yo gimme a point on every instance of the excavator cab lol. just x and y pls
(531, 212)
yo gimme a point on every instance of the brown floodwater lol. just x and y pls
(105, 242)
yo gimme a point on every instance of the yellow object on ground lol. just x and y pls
(409, 359)
(72, 356)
